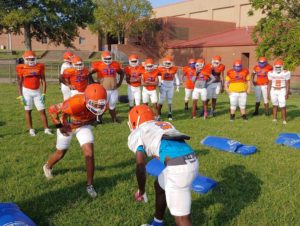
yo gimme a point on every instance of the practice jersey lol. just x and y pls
(149, 136)
(150, 76)
(72, 111)
(217, 71)
(106, 71)
(262, 74)
(31, 75)
(190, 74)
(135, 73)
(279, 80)
(77, 78)
(238, 80)
(64, 66)
(202, 77)
(168, 75)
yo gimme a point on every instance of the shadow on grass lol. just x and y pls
(43, 208)
(234, 192)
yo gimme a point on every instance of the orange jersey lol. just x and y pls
(78, 79)
(104, 70)
(167, 74)
(262, 74)
(204, 73)
(241, 76)
(31, 75)
(150, 77)
(135, 73)
(217, 71)
(189, 73)
(73, 112)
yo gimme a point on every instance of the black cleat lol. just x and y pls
(255, 113)
(170, 117)
(232, 117)
(244, 117)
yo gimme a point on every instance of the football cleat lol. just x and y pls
(284, 122)
(139, 197)
(47, 172)
(244, 117)
(170, 117)
(274, 120)
(32, 132)
(91, 191)
(154, 223)
(48, 131)
(232, 117)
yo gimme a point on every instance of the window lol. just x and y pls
(44, 40)
(81, 40)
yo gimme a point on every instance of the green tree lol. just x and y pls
(57, 20)
(121, 17)
(278, 32)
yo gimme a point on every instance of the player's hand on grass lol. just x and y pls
(140, 197)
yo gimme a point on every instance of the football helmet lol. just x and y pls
(200, 64)
(149, 64)
(278, 66)
(237, 65)
(106, 57)
(95, 97)
(77, 63)
(139, 115)
(68, 56)
(29, 58)
(167, 61)
(192, 63)
(215, 61)
(133, 60)
(262, 62)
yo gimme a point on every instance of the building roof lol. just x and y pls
(235, 37)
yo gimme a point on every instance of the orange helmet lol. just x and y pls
(237, 65)
(192, 62)
(278, 65)
(29, 58)
(215, 61)
(106, 57)
(68, 56)
(77, 63)
(168, 61)
(95, 97)
(139, 115)
(149, 64)
(262, 62)
(133, 60)
(200, 64)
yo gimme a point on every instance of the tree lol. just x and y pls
(57, 20)
(120, 17)
(278, 33)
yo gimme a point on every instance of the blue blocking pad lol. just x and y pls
(201, 184)
(10, 214)
(289, 139)
(228, 145)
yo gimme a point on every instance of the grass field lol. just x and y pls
(261, 189)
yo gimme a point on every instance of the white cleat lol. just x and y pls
(47, 172)
(274, 120)
(91, 191)
(284, 122)
(48, 131)
(32, 132)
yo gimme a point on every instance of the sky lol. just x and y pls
(157, 3)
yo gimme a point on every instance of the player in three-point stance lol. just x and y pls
(158, 139)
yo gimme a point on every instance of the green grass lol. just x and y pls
(261, 189)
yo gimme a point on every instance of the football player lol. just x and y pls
(189, 72)
(167, 75)
(158, 139)
(133, 74)
(214, 89)
(260, 81)
(30, 76)
(149, 83)
(107, 72)
(237, 85)
(67, 64)
(202, 79)
(74, 117)
(279, 89)
(76, 77)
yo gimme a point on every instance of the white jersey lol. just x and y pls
(64, 66)
(149, 135)
(279, 80)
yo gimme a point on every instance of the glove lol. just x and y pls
(177, 89)
(139, 197)
(22, 100)
(43, 98)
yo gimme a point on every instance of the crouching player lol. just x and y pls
(74, 117)
(161, 140)
(278, 89)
